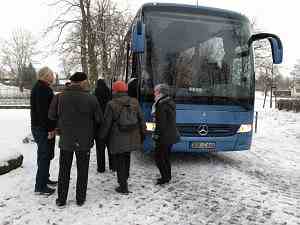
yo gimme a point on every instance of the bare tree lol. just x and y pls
(95, 38)
(295, 73)
(77, 13)
(69, 65)
(71, 29)
(17, 52)
(70, 52)
(112, 25)
(263, 58)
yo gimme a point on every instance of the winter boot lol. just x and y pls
(123, 189)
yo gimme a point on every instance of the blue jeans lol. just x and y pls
(45, 153)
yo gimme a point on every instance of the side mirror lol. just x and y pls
(275, 42)
(138, 38)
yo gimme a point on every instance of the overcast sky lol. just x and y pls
(280, 18)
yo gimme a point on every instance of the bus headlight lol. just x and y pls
(150, 126)
(244, 128)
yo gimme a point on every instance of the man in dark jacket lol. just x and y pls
(165, 133)
(78, 114)
(122, 141)
(103, 95)
(43, 129)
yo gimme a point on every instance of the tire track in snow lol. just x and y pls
(284, 184)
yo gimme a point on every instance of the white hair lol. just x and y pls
(163, 89)
(44, 72)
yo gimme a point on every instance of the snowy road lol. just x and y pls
(261, 186)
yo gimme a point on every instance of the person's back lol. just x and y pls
(102, 94)
(132, 87)
(78, 114)
(121, 141)
(123, 133)
(77, 117)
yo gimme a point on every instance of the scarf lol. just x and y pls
(156, 100)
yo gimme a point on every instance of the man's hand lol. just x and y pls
(51, 134)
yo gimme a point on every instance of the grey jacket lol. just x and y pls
(120, 141)
(79, 115)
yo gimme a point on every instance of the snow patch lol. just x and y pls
(8, 153)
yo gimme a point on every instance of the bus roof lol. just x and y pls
(171, 7)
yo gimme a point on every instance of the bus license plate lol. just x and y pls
(204, 145)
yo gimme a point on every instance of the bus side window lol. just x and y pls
(134, 68)
(131, 65)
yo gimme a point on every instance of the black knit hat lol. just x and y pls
(78, 76)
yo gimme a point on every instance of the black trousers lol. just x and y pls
(122, 163)
(45, 153)
(100, 151)
(65, 164)
(162, 160)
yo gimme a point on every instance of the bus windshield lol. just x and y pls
(205, 59)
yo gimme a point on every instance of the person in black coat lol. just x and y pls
(43, 129)
(78, 114)
(165, 133)
(103, 94)
(132, 87)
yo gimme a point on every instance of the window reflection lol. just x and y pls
(197, 55)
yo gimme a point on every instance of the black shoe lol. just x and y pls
(112, 169)
(45, 191)
(60, 203)
(52, 182)
(80, 202)
(122, 190)
(162, 181)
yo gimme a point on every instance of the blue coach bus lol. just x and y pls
(206, 56)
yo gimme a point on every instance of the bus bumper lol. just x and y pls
(237, 142)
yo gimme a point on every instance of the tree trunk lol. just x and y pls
(91, 48)
(105, 70)
(83, 37)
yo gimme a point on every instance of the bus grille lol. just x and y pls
(214, 130)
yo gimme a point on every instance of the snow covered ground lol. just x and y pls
(260, 186)
(12, 91)
(11, 95)
(13, 130)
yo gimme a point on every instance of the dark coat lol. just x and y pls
(165, 118)
(103, 94)
(78, 114)
(132, 88)
(120, 141)
(40, 99)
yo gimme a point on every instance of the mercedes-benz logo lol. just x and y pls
(203, 130)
